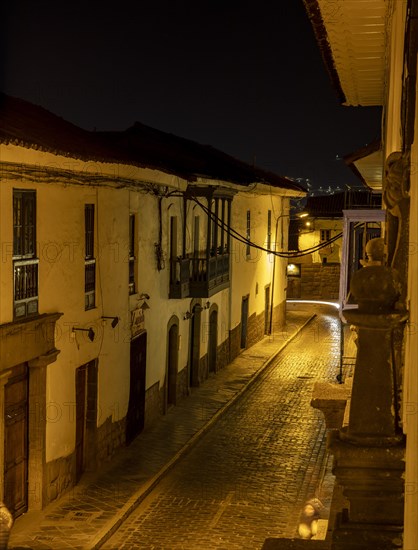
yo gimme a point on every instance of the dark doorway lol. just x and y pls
(244, 321)
(135, 417)
(16, 441)
(195, 345)
(172, 367)
(213, 340)
(80, 419)
(267, 328)
(85, 418)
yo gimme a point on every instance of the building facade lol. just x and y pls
(129, 274)
(371, 55)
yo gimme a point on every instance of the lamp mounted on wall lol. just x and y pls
(90, 331)
(144, 296)
(115, 320)
(196, 309)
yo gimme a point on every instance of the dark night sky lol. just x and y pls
(244, 76)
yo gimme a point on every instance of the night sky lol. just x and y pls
(244, 76)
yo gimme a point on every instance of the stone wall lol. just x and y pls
(110, 437)
(255, 329)
(234, 342)
(182, 389)
(154, 404)
(222, 356)
(317, 282)
(60, 477)
(203, 368)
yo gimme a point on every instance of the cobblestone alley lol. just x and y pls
(248, 478)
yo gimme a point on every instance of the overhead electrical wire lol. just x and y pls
(283, 254)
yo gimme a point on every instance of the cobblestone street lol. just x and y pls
(248, 478)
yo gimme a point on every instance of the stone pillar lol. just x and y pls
(37, 429)
(369, 452)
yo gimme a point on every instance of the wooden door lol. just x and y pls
(195, 346)
(80, 420)
(244, 321)
(213, 340)
(136, 409)
(267, 328)
(16, 441)
(173, 345)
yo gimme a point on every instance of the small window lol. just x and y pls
(132, 254)
(90, 261)
(269, 230)
(248, 233)
(325, 235)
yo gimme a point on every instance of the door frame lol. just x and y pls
(137, 401)
(170, 390)
(18, 374)
(213, 339)
(245, 306)
(194, 343)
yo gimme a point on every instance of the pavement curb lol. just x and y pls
(140, 495)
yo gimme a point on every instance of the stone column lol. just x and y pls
(369, 452)
(37, 429)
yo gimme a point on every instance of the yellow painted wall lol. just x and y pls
(311, 236)
(250, 274)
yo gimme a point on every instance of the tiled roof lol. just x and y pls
(332, 206)
(32, 126)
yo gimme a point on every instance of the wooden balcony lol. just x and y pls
(199, 277)
(25, 288)
(179, 277)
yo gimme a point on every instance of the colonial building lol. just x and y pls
(370, 51)
(317, 237)
(134, 264)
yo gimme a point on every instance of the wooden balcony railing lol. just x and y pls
(25, 287)
(199, 277)
(179, 277)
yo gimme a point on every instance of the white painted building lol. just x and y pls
(122, 286)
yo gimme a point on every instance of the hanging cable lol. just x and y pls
(283, 254)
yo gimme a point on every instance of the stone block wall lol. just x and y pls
(255, 329)
(317, 282)
(110, 437)
(234, 342)
(154, 404)
(203, 369)
(60, 477)
(182, 389)
(222, 357)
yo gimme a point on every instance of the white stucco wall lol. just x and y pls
(250, 275)
(311, 236)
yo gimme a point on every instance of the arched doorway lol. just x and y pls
(194, 354)
(213, 340)
(135, 417)
(172, 363)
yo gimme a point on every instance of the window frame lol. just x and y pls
(131, 254)
(24, 258)
(89, 257)
(248, 234)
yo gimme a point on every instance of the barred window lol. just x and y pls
(90, 261)
(132, 254)
(25, 263)
(248, 233)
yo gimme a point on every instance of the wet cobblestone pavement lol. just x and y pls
(240, 479)
(249, 477)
